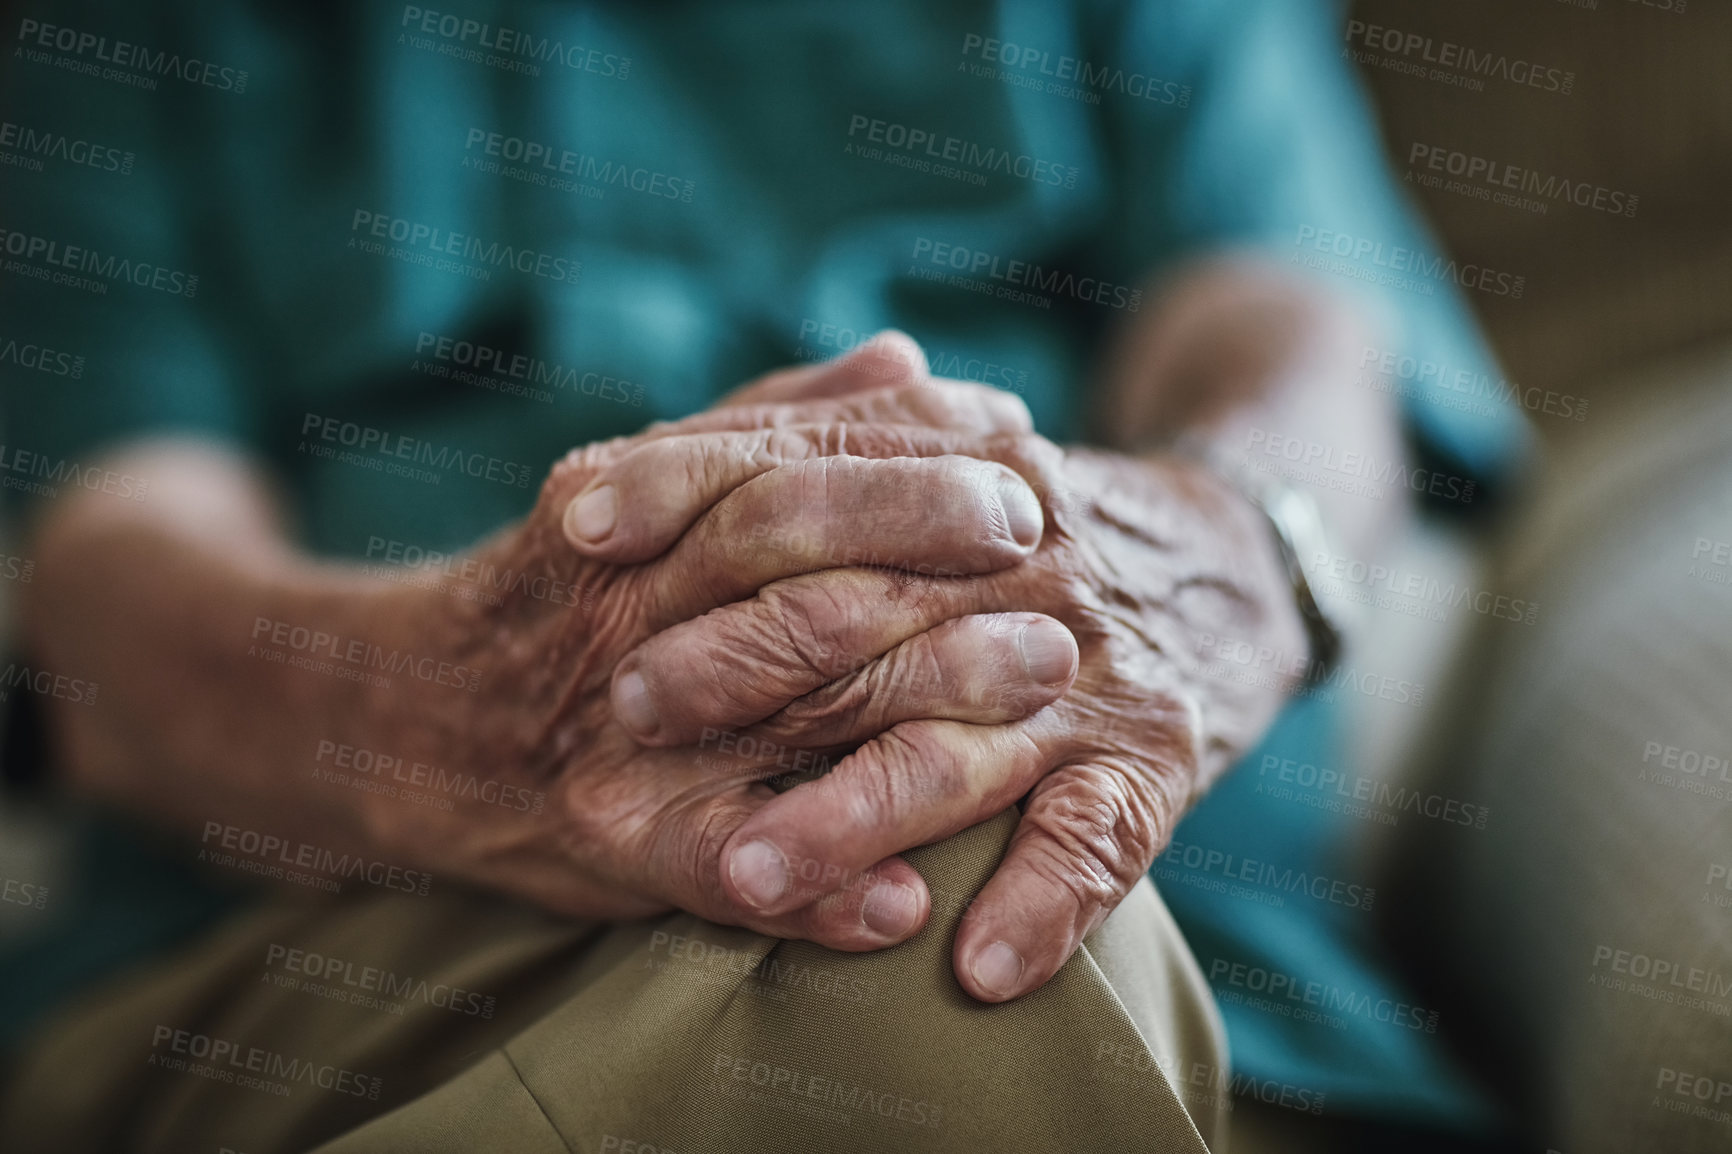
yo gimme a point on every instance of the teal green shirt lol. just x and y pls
(408, 255)
(408, 258)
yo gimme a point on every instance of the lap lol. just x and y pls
(457, 1022)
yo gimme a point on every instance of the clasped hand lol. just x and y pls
(848, 612)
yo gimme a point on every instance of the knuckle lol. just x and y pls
(942, 406)
(1168, 737)
(782, 446)
(906, 770)
(722, 694)
(1028, 453)
(813, 488)
(572, 472)
(745, 665)
(599, 821)
(803, 622)
(912, 672)
(839, 707)
(889, 441)
(779, 463)
(1103, 831)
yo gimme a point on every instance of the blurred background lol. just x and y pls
(1590, 848)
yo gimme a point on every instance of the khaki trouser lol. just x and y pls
(462, 1023)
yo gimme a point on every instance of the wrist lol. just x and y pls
(1294, 529)
(1246, 646)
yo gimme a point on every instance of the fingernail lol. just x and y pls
(591, 516)
(759, 872)
(1048, 654)
(998, 969)
(632, 704)
(1021, 511)
(890, 909)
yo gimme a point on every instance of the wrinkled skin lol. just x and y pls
(626, 831)
(826, 566)
(1138, 559)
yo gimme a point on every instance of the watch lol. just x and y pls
(1298, 530)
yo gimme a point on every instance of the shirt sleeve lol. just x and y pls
(107, 306)
(1268, 143)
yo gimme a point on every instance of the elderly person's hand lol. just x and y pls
(484, 685)
(1139, 559)
(638, 830)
